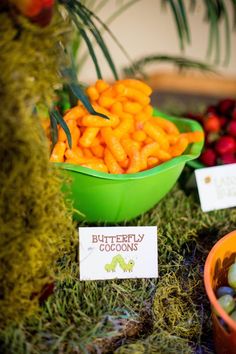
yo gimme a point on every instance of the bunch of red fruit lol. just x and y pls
(219, 123)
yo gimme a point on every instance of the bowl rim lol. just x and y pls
(210, 293)
(165, 166)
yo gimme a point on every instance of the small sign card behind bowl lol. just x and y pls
(217, 187)
(118, 252)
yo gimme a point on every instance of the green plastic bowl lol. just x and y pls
(114, 198)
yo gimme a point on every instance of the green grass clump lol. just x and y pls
(166, 315)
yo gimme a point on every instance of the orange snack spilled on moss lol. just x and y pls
(130, 141)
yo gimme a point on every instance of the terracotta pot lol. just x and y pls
(221, 256)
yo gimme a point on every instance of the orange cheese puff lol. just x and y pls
(163, 155)
(100, 138)
(97, 150)
(139, 135)
(113, 144)
(72, 156)
(96, 121)
(132, 107)
(141, 117)
(124, 164)
(87, 153)
(62, 135)
(112, 164)
(169, 127)
(193, 137)
(88, 136)
(124, 127)
(101, 86)
(78, 151)
(122, 100)
(148, 110)
(75, 113)
(136, 95)
(179, 147)
(148, 140)
(58, 152)
(146, 151)
(106, 101)
(75, 134)
(172, 138)
(152, 162)
(138, 85)
(135, 162)
(134, 154)
(114, 91)
(157, 134)
(96, 141)
(119, 89)
(92, 92)
(116, 108)
(98, 166)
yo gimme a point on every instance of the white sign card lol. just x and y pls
(217, 187)
(118, 252)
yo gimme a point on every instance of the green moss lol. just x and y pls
(161, 342)
(35, 222)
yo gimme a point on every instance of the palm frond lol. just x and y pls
(182, 11)
(233, 3)
(105, 28)
(59, 119)
(180, 62)
(91, 52)
(179, 24)
(216, 11)
(213, 15)
(53, 129)
(82, 18)
(72, 82)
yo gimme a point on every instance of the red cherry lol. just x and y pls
(208, 157)
(223, 121)
(226, 144)
(234, 114)
(212, 123)
(211, 109)
(232, 128)
(226, 105)
(227, 158)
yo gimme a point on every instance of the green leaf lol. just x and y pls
(53, 129)
(214, 30)
(184, 19)
(227, 33)
(105, 27)
(182, 63)
(192, 6)
(111, 18)
(71, 79)
(59, 119)
(78, 92)
(86, 18)
(91, 52)
(233, 3)
(178, 23)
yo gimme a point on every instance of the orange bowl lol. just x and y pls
(220, 258)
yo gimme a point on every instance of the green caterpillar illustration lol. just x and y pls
(118, 259)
